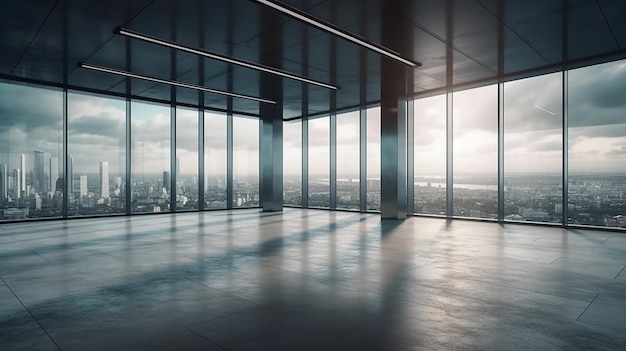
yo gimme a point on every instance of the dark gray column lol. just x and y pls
(271, 128)
(393, 116)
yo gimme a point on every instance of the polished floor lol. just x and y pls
(308, 279)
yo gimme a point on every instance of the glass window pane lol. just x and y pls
(430, 155)
(597, 145)
(245, 162)
(186, 159)
(292, 163)
(475, 157)
(150, 149)
(31, 152)
(533, 149)
(373, 158)
(319, 162)
(97, 151)
(348, 160)
(214, 160)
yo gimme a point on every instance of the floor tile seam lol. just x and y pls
(601, 326)
(31, 314)
(225, 315)
(527, 290)
(620, 272)
(223, 291)
(205, 338)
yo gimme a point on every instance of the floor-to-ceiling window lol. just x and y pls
(319, 162)
(97, 155)
(533, 149)
(186, 159)
(292, 163)
(475, 152)
(150, 147)
(430, 155)
(31, 152)
(214, 160)
(597, 145)
(373, 158)
(245, 161)
(348, 191)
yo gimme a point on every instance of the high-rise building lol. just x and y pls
(83, 185)
(70, 175)
(54, 174)
(166, 180)
(4, 184)
(104, 180)
(23, 173)
(40, 179)
(17, 183)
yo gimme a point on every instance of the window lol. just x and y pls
(597, 145)
(292, 163)
(97, 155)
(245, 162)
(31, 152)
(214, 160)
(533, 149)
(430, 155)
(319, 162)
(186, 159)
(348, 160)
(151, 180)
(475, 158)
(373, 158)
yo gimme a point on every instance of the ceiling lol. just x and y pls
(45, 40)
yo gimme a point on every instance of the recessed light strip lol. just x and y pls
(302, 16)
(173, 82)
(211, 55)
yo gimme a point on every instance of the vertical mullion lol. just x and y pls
(65, 202)
(333, 160)
(565, 170)
(127, 182)
(305, 157)
(229, 159)
(501, 152)
(201, 176)
(449, 155)
(173, 175)
(363, 158)
(410, 156)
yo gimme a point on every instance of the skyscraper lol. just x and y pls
(17, 183)
(70, 176)
(54, 174)
(166, 180)
(4, 184)
(104, 179)
(23, 173)
(83, 185)
(40, 180)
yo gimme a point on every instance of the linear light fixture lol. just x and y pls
(173, 82)
(330, 28)
(173, 45)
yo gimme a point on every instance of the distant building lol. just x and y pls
(166, 180)
(39, 176)
(616, 221)
(4, 184)
(54, 174)
(104, 180)
(83, 186)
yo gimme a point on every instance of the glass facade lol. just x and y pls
(319, 162)
(348, 131)
(186, 159)
(215, 160)
(151, 179)
(373, 158)
(97, 155)
(475, 150)
(533, 149)
(430, 155)
(40, 178)
(31, 152)
(245, 162)
(292, 163)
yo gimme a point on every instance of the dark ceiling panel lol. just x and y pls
(588, 32)
(615, 12)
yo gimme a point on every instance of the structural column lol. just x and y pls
(271, 128)
(393, 111)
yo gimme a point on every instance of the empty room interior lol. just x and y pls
(313, 175)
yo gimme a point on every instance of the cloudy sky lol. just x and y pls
(31, 119)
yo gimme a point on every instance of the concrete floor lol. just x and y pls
(308, 279)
